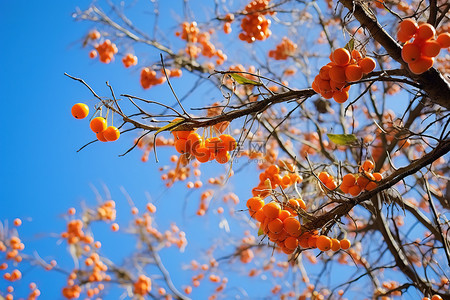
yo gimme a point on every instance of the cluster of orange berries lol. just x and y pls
(354, 184)
(281, 225)
(105, 50)
(343, 68)
(255, 25)
(75, 233)
(420, 53)
(107, 211)
(72, 292)
(217, 148)
(104, 133)
(129, 60)
(227, 26)
(275, 176)
(149, 77)
(142, 286)
(199, 42)
(284, 49)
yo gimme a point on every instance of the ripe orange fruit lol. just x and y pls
(340, 96)
(354, 190)
(223, 157)
(353, 73)
(425, 32)
(17, 222)
(331, 184)
(341, 56)
(114, 227)
(255, 204)
(272, 210)
(377, 176)
(275, 226)
(98, 124)
(80, 111)
(338, 86)
(180, 134)
(315, 87)
(349, 180)
(203, 154)
(403, 37)
(101, 137)
(214, 144)
(312, 241)
(284, 214)
(436, 297)
(362, 182)
(367, 166)
(194, 140)
(323, 243)
(431, 48)
(291, 243)
(259, 215)
(370, 186)
(345, 244)
(324, 177)
(410, 52)
(111, 134)
(229, 142)
(337, 74)
(335, 244)
(421, 65)
(324, 72)
(409, 26)
(344, 188)
(303, 240)
(367, 64)
(181, 146)
(291, 225)
(444, 39)
(356, 55)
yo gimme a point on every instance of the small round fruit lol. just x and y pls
(101, 137)
(409, 26)
(80, 111)
(272, 210)
(425, 32)
(98, 124)
(323, 243)
(340, 96)
(431, 48)
(111, 134)
(341, 56)
(345, 244)
(421, 65)
(353, 73)
(367, 64)
(444, 40)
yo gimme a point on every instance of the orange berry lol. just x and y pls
(181, 146)
(410, 52)
(335, 244)
(370, 186)
(354, 190)
(323, 243)
(377, 176)
(272, 210)
(356, 55)
(403, 36)
(344, 188)
(80, 111)
(181, 134)
(229, 142)
(98, 124)
(315, 87)
(341, 56)
(444, 39)
(409, 26)
(114, 227)
(275, 226)
(367, 166)
(431, 48)
(291, 243)
(324, 177)
(101, 137)
(425, 32)
(292, 225)
(255, 203)
(362, 182)
(436, 297)
(337, 74)
(340, 96)
(111, 134)
(349, 180)
(222, 157)
(203, 154)
(421, 65)
(312, 241)
(367, 64)
(331, 185)
(17, 222)
(345, 244)
(353, 73)
(324, 72)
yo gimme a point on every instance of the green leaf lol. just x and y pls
(350, 45)
(242, 80)
(260, 232)
(171, 126)
(342, 139)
